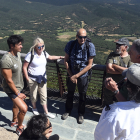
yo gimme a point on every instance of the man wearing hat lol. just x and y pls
(121, 120)
(116, 62)
(122, 94)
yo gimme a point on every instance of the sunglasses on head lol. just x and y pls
(39, 47)
(80, 37)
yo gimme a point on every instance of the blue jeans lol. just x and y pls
(82, 84)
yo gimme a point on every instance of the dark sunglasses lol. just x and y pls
(39, 47)
(49, 126)
(80, 37)
(119, 45)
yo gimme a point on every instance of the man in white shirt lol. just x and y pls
(134, 53)
(122, 119)
(121, 122)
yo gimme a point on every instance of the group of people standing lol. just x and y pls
(78, 61)
(120, 120)
(35, 73)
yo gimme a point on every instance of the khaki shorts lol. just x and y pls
(38, 88)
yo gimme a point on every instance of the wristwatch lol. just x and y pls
(116, 91)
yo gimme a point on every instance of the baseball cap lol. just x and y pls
(133, 74)
(123, 41)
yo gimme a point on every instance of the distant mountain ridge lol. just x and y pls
(98, 17)
(56, 22)
(70, 2)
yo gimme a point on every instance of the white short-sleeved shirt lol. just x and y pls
(121, 122)
(38, 64)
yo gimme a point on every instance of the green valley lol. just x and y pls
(56, 22)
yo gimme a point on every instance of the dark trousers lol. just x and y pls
(82, 84)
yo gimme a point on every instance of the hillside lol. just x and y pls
(57, 21)
(70, 2)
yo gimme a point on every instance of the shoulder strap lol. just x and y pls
(87, 45)
(87, 42)
(45, 54)
(123, 64)
(32, 56)
(71, 47)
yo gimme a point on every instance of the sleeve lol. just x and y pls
(130, 63)
(6, 63)
(47, 55)
(92, 51)
(104, 130)
(109, 59)
(67, 47)
(28, 57)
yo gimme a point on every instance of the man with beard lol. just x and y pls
(121, 121)
(110, 84)
(117, 61)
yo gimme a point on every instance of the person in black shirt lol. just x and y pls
(38, 128)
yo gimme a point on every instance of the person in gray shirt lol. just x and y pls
(11, 70)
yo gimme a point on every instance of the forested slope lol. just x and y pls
(57, 21)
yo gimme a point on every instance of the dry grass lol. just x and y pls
(65, 36)
(28, 1)
(132, 38)
(108, 52)
(108, 34)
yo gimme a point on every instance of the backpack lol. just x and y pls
(24, 79)
(32, 56)
(87, 47)
(1, 79)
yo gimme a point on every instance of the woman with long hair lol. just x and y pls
(35, 74)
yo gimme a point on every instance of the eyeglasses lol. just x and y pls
(80, 37)
(39, 47)
(50, 125)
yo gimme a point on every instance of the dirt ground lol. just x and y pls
(7, 135)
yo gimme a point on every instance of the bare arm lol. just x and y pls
(110, 84)
(118, 68)
(119, 97)
(111, 70)
(7, 73)
(25, 66)
(53, 57)
(90, 61)
(66, 59)
(74, 77)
